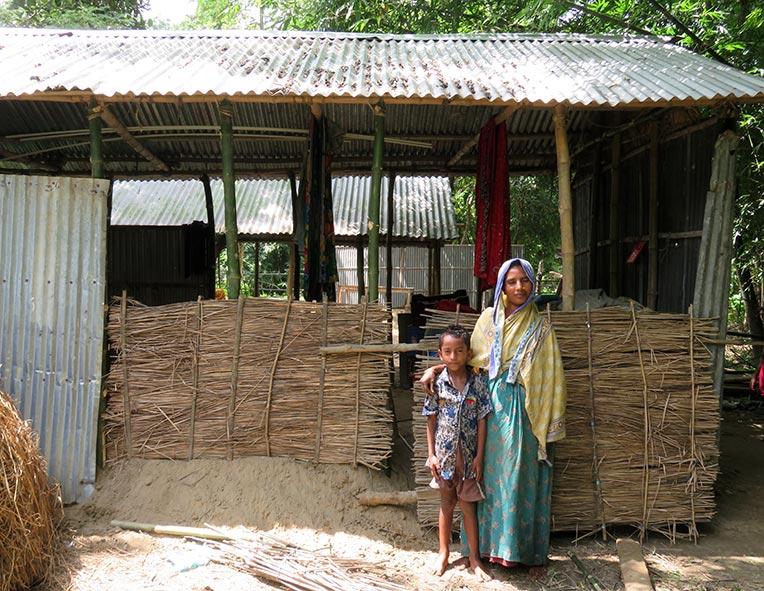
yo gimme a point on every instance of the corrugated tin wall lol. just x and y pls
(684, 174)
(411, 269)
(52, 268)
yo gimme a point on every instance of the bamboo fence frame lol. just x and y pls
(225, 379)
(642, 423)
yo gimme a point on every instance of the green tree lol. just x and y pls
(226, 14)
(74, 14)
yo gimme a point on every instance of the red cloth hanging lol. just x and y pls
(493, 243)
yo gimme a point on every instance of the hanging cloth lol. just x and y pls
(319, 254)
(492, 238)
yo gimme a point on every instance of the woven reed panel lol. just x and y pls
(642, 422)
(216, 379)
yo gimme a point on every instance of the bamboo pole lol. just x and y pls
(111, 120)
(126, 376)
(358, 385)
(615, 228)
(195, 376)
(210, 262)
(376, 189)
(229, 199)
(436, 267)
(172, 530)
(389, 239)
(652, 245)
(257, 269)
(272, 377)
(322, 378)
(359, 261)
(96, 143)
(593, 214)
(398, 498)
(297, 237)
(566, 210)
(468, 145)
(234, 375)
(377, 348)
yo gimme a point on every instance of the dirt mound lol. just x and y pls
(259, 493)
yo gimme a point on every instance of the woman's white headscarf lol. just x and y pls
(494, 361)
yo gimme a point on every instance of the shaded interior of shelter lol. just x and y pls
(423, 139)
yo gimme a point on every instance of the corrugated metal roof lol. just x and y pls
(535, 70)
(52, 266)
(422, 205)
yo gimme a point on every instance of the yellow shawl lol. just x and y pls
(540, 368)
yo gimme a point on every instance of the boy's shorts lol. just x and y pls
(464, 489)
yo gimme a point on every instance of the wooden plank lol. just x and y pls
(633, 568)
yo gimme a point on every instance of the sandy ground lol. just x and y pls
(315, 507)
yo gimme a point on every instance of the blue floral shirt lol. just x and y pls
(458, 415)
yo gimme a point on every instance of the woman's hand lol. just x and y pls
(428, 378)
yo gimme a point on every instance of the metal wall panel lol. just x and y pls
(411, 269)
(52, 273)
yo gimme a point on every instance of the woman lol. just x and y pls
(518, 349)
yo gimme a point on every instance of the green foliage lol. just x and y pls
(272, 273)
(74, 14)
(534, 223)
(225, 14)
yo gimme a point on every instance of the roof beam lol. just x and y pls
(28, 162)
(111, 120)
(497, 119)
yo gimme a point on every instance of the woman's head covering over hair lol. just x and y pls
(502, 275)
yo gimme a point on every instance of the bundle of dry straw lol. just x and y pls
(292, 567)
(243, 378)
(30, 508)
(642, 421)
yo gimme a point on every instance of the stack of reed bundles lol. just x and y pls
(642, 422)
(30, 507)
(224, 379)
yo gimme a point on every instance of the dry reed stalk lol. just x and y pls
(651, 444)
(181, 353)
(292, 567)
(30, 507)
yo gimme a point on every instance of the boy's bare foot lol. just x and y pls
(479, 569)
(441, 564)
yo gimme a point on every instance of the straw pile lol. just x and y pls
(225, 379)
(642, 422)
(292, 567)
(30, 508)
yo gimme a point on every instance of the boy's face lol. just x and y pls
(454, 353)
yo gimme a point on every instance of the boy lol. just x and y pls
(456, 429)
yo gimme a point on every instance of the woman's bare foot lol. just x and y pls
(441, 564)
(479, 569)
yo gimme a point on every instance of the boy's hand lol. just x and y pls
(432, 462)
(477, 468)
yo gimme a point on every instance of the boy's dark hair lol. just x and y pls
(457, 331)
